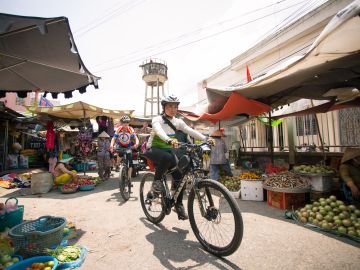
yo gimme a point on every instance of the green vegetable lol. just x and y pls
(66, 254)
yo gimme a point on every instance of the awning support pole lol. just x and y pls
(271, 139)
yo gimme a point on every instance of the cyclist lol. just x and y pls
(125, 138)
(161, 141)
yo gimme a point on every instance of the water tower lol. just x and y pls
(154, 76)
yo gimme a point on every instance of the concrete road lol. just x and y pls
(118, 235)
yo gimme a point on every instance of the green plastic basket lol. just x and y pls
(33, 238)
(9, 220)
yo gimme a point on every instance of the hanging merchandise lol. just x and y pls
(50, 136)
(84, 142)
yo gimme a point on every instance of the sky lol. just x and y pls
(196, 38)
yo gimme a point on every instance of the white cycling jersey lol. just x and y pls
(162, 132)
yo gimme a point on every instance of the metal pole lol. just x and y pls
(152, 100)
(158, 95)
(271, 140)
(319, 133)
(145, 101)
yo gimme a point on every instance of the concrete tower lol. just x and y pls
(154, 76)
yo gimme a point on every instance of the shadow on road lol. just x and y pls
(172, 248)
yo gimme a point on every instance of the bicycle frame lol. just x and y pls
(192, 166)
(124, 160)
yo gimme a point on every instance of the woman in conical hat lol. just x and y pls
(103, 155)
(350, 174)
(218, 159)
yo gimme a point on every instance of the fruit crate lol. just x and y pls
(284, 200)
(252, 190)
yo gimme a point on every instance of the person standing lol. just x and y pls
(218, 158)
(103, 156)
(350, 174)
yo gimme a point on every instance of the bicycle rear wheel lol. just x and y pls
(154, 208)
(220, 229)
(124, 183)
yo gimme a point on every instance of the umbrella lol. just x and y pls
(78, 110)
(40, 54)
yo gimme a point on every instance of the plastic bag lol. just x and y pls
(41, 182)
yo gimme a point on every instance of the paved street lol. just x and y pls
(119, 237)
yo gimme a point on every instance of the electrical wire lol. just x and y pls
(186, 35)
(116, 13)
(286, 22)
(195, 41)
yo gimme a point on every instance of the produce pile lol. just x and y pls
(85, 182)
(250, 176)
(6, 252)
(286, 180)
(7, 260)
(93, 180)
(232, 183)
(41, 266)
(331, 214)
(313, 169)
(66, 254)
(69, 187)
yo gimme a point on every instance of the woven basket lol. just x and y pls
(32, 238)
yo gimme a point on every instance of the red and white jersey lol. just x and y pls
(125, 136)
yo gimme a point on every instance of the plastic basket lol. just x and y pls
(86, 187)
(28, 262)
(9, 220)
(34, 237)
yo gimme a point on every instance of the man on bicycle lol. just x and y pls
(159, 148)
(125, 138)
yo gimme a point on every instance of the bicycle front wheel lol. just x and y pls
(153, 206)
(219, 227)
(124, 183)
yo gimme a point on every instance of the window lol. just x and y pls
(306, 125)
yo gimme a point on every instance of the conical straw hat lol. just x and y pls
(350, 153)
(103, 135)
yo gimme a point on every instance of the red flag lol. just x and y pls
(248, 76)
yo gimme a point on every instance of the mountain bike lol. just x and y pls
(214, 214)
(125, 184)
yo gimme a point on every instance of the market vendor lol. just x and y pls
(62, 174)
(103, 155)
(350, 174)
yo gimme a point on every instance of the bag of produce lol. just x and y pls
(41, 182)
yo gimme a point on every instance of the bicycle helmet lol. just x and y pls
(169, 99)
(125, 119)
